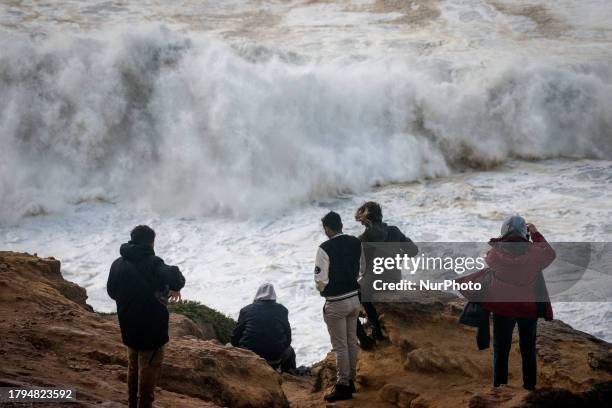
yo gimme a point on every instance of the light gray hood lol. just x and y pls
(516, 226)
(265, 292)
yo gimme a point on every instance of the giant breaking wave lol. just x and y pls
(182, 123)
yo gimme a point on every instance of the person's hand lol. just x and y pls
(174, 296)
(365, 221)
(362, 312)
(531, 228)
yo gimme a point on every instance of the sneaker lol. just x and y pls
(352, 387)
(339, 393)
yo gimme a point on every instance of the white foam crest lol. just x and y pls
(182, 123)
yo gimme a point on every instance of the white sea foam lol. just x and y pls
(231, 127)
(186, 125)
(226, 259)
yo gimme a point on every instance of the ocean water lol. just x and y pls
(231, 127)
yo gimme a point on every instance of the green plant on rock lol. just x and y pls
(199, 313)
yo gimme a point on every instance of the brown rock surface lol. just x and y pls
(51, 337)
(432, 361)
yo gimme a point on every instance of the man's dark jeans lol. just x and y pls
(502, 342)
(286, 362)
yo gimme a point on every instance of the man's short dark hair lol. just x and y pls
(371, 210)
(333, 221)
(143, 234)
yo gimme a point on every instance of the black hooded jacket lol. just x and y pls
(263, 327)
(381, 232)
(139, 282)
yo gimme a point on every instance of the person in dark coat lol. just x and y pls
(370, 216)
(141, 284)
(263, 327)
(515, 293)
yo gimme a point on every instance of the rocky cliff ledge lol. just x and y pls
(51, 337)
(430, 360)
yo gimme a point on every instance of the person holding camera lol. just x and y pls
(142, 284)
(515, 292)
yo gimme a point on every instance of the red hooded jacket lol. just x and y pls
(513, 285)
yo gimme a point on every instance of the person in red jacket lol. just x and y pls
(515, 293)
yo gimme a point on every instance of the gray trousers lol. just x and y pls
(341, 319)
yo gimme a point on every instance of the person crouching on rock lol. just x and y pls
(336, 271)
(263, 327)
(142, 284)
(515, 293)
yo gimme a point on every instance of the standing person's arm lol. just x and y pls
(362, 265)
(407, 244)
(287, 327)
(175, 280)
(112, 285)
(321, 272)
(542, 253)
(238, 330)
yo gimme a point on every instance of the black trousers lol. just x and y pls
(502, 342)
(372, 317)
(286, 362)
(365, 341)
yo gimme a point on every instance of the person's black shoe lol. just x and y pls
(366, 343)
(377, 335)
(352, 387)
(339, 393)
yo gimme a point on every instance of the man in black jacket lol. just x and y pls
(141, 284)
(336, 270)
(263, 327)
(370, 216)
